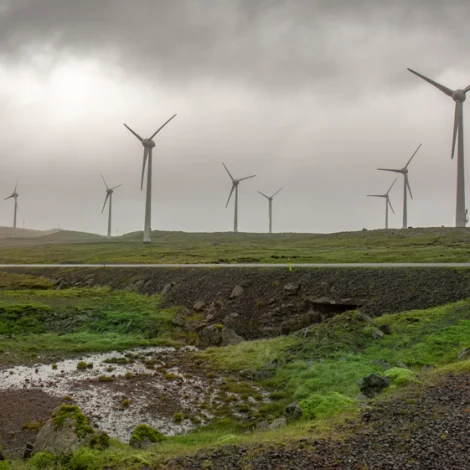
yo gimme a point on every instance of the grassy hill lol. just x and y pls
(411, 245)
(6, 232)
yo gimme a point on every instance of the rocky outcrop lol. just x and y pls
(218, 335)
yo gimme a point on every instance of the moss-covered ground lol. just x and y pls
(319, 367)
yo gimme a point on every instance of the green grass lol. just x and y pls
(411, 245)
(79, 320)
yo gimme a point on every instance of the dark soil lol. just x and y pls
(18, 408)
(424, 430)
(264, 306)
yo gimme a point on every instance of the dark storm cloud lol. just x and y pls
(274, 45)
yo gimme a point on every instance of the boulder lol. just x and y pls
(167, 288)
(363, 317)
(278, 423)
(377, 334)
(230, 337)
(64, 432)
(145, 436)
(180, 317)
(210, 336)
(236, 292)
(464, 354)
(231, 320)
(293, 411)
(262, 426)
(373, 384)
(199, 306)
(291, 288)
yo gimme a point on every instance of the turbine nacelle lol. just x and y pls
(459, 96)
(148, 143)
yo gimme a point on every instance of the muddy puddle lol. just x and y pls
(118, 391)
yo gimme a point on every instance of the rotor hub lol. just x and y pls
(236, 182)
(459, 95)
(148, 143)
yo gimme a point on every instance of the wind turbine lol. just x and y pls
(270, 199)
(14, 195)
(235, 184)
(148, 144)
(459, 96)
(406, 186)
(387, 202)
(109, 195)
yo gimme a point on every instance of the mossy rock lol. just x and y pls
(144, 436)
(100, 441)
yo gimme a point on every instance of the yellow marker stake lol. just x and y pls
(288, 264)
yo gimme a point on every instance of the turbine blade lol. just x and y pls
(231, 177)
(104, 181)
(230, 195)
(9, 197)
(161, 127)
(457, 118)
(390, 204)
(135, 133)
(246, 177)
(391, 186)
(419, 146)
(467, 89)
(262, 194)
(16, 185)
(276, 192)
(115, 187)
(144, 162)
(408, 186)
(443, 88)
(105, 201)
(375, 195)
(389, 169)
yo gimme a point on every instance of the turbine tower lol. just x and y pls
(109, 195)
(387, 202)
(235, 184)
(14, 195)
(459, 96)
(148, 144)
(270, 199)
(406, 186)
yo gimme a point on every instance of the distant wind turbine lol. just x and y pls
(406, 186)
(387, 202)
(270, 199)
(235, 184)
(14, 195)
(109, 195)
(459, 96)
(148, 144)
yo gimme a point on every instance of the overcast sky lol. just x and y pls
(309, 95)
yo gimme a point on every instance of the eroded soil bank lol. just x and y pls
(276, 301)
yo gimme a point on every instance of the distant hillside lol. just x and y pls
(70, 236)
(6, 232)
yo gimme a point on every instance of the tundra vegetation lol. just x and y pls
(318, 367)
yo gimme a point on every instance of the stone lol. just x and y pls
(464, 354)
(291, 288)
(384, 364)
(210, 336)
(230, 321)
(262, 426)
(373, 384)
(278, 423)
(65, 432)
(230, 337)
(28, 452)
(385, 329)
(363, 317)
(377, 334)
(180, 317)
(167, 288)
(99, 441)
(199, 306)
(401, 364)
(236, 292)
(293, 411)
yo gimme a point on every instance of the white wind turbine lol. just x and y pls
(459, 96)
(406, 186)
(148, 144)
(14, 195)
(270, 199)
(235, 183)
(109, 196)
(387, 202)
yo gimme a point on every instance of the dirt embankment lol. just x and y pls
(274, 301)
